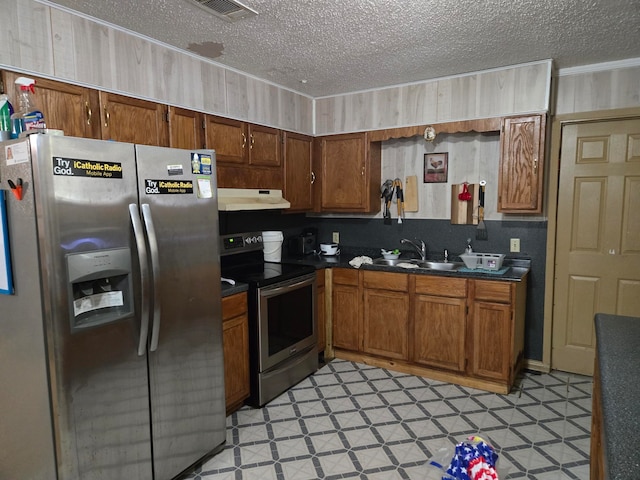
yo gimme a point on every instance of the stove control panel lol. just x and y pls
(240, 243)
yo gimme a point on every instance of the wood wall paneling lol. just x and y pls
(25, 36)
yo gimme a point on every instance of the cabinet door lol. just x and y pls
(74, 110)
(386, 315)
(235, 340)
(298, 174)
(228, 138)
(491, 340)
(321, 311)
(186, 128)
(349, 174)
(126, 119)
(345, 309)
(265, 146)
(439, 332)
(521, 164)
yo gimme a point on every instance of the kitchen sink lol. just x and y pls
(426, 265)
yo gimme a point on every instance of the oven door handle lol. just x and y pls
(273, 291)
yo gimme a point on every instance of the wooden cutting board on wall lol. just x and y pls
(464, 212)
(411, 194)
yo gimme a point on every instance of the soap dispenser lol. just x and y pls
(468, 249)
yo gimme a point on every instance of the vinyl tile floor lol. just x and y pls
(350, 420)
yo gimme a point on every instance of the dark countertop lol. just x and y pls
(619, 361)
(232, 289)
(517, 271)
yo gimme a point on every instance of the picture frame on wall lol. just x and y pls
(436, 167)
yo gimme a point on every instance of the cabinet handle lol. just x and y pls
(535, 166)
(244, 140)
(88, 109)
(252, 140)
(362, 172)
(106, 117)
(313, 178)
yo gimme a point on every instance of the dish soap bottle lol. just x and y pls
(6, 110)
(27, 117)
(468, 249)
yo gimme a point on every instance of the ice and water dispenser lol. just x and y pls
(101, 289)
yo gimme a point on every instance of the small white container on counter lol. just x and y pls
(272, 246)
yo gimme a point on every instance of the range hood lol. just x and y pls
(237, 199)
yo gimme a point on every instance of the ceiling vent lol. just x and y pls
(228, 10)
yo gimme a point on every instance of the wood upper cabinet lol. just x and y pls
(496, 328)
(346, 309)
(126, 119)
(439, 322)
(521, 172)
(298, 174)
(247, 156)
(74, 110)
(235, 340)
(186, 128)
(351, 171)
(385, 314)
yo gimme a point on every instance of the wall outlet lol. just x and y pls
(515, 245)
(336, 237)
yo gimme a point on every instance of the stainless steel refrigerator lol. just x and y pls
(111, 363)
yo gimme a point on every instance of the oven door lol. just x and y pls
(286, 320)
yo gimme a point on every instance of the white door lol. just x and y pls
(598, 236)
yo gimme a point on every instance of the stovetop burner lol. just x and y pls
(242, 259)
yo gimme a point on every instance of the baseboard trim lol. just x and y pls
(536, 366)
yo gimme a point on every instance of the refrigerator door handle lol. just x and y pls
(155, 271)
(138, 233)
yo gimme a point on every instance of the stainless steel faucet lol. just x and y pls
(422, 249)
(446, 255)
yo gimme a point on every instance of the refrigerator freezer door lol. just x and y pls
(82, 190)
(185, 359)
(26, 435)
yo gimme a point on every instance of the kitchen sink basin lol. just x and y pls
(427, 265)
(442, 265)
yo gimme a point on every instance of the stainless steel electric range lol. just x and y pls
(282, 315)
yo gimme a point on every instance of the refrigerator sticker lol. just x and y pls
(175, 170)
(195, 163)
(167, 187)
(205, 164)
(16, 153)
(72, 167)
(97, 301)
(204, 188)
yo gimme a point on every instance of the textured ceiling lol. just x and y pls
(329, 47)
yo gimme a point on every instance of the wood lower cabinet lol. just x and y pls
(321, 310)
(454, 329)
(439, 322)
(385, 314)
(496, 329)
(521, 171)
(351, 171)
(235, 339)
(345, 309)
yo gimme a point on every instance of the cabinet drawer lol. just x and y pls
(441, 286)
(345, 276)
(492, 291)
(234, 305)
(398, 282)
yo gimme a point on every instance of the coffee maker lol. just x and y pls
(304, 244)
